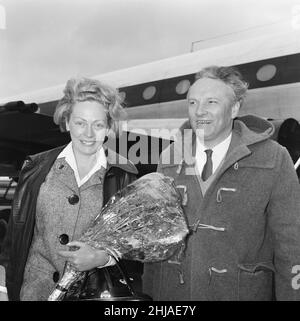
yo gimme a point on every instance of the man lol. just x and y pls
(241, 198)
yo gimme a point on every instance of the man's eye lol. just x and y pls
(212, 101)
(79, 123)
(99, 126)
(191, 102)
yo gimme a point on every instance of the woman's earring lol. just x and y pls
(105, 139)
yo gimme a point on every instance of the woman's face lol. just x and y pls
(88, 127)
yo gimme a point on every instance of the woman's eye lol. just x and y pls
(79, 123)
(212, 101)
(191, 102)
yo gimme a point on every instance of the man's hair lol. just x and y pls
(86, 89)
(230, 76)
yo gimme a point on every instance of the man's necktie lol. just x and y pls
(207, 169)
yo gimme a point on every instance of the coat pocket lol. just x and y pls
(255, 281)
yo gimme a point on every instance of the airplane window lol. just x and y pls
(149, 92)
(122, 95)
(266, 72)
(183, 86)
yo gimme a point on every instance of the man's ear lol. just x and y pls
(67, 126)
(235, 110)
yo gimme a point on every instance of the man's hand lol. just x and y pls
(86, 257)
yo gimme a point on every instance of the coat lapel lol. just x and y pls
(65, 174)
(95, 179)
(236, 151)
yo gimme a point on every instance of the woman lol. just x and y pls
(62, 190)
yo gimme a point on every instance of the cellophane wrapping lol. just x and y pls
(143, 222)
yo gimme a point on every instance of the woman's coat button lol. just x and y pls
(74, 199)
(63, 239)
(55, 277)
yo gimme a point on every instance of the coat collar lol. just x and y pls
(183, 149)
(116, 160)
(48, 158)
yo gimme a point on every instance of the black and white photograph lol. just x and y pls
(149, 152)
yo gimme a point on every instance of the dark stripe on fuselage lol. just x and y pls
(287, 71)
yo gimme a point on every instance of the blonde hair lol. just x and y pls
(86, 89)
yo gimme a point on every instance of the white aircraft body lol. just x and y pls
(155, 93)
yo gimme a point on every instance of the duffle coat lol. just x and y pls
(244, 241)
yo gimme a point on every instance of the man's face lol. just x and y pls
(212, 108)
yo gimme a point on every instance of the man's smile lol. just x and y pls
(203, 122)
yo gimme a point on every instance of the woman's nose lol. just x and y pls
(89, 131)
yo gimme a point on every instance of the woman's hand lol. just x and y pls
(86, 257)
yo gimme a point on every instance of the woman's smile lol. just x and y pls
(87, 143)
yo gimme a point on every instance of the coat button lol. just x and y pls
(74, 199)
(63, 239)
(55, 277)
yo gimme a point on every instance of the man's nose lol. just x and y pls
(201, 109)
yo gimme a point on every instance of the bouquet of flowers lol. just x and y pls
(143, 222)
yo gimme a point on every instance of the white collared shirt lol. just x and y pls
(68, 154)
(218, 154)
